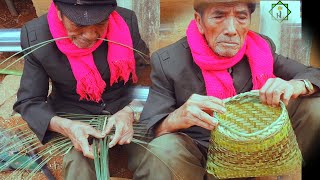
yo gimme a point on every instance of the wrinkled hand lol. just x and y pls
(77, 132)
(122, 121)
(197, 111)
(277, 89)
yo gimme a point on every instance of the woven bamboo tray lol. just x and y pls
(253, 140)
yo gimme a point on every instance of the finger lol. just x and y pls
(93, 132)
(216, 100)
(126, 139)
(276, 95)
(287, 95)
(202, 116)
(203, 124)
(208, 103)
(213, 104)
(83, 142)
(77, 147)
(129, 140)
(275, 92)
(263, 91)
(272, 90)
(295, 93)
(109, 126)
(116, 137)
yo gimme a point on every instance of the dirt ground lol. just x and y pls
(24, 8)
(26, 13)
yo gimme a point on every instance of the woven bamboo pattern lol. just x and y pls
(252, 140)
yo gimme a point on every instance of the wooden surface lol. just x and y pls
(315, 52)
(148, 13)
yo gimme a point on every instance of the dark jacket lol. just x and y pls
(48, 63)
(175, 77)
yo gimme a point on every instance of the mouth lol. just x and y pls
(228, 43)
(84, 43)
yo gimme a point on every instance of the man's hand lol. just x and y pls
(277, 89)
(196, 111)
(122, 121)
(77, 132)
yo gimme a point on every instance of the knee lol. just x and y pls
(74, 159)
(73, 156)
(304, 112)
(306, 123)
(309, 108)
(169, 145)
(76, 166)
(172, 154)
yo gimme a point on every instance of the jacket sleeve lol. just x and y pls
(161, 99)
(288, 69)
(32, 95)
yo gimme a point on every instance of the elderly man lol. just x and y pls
(219, 58)
(88, 75)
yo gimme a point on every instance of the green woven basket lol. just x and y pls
(253, 140)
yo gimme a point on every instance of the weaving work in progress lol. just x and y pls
(253, 140)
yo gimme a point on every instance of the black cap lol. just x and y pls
(86, 12)
(200, 5)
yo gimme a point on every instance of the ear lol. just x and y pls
(59, 14)
(198, 20)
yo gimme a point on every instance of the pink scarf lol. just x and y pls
(218, 81)
(90, 84)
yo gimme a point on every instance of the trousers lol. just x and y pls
(177, 156)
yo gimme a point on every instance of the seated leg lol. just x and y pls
(305, 116)
(170, 156)
(78, 167)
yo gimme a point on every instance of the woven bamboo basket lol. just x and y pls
(253, 140)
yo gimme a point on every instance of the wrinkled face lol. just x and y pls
(225, 27)
(83, 36)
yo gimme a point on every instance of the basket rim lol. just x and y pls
(239, 96)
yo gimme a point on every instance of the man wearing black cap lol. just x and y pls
(88, 75)
(219, 58)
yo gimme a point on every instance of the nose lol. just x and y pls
(230, 29)
(90, 35)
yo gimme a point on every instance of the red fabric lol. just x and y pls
(218, 81)
(90, 84)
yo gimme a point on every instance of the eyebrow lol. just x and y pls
(245, 12)
(79, 25)
(219, 12)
